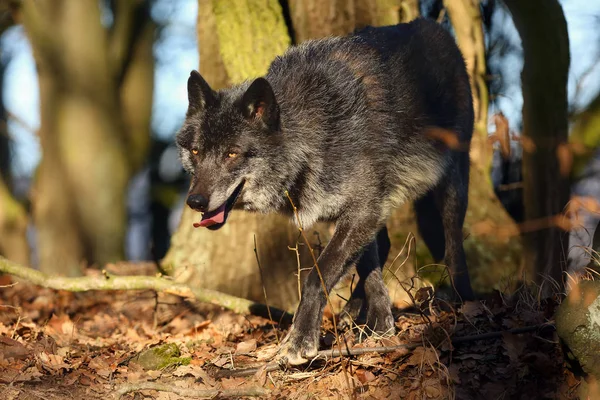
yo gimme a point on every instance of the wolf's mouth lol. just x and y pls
(215, 219)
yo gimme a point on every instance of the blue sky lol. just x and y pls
(176, 54)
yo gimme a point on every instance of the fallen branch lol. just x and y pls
(357, 351)
(190, 392)
(321, 355)
(159, 284)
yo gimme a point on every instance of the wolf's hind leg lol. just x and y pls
(370, 301)
(431, 227)
(452, 198)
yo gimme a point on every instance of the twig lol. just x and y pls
(493, 335)
(357, 351)
(190, 392)
(159, 284)
(321, 355)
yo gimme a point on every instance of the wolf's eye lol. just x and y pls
(232, 155)
(195, 152)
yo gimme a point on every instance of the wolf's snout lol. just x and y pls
(197, 202)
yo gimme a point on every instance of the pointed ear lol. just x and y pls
(259, 103)
(199, 92)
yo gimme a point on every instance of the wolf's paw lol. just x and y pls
(349, 316)
(380, 320)
(298, 348)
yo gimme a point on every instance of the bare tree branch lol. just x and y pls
(159, 284)
(191, 392)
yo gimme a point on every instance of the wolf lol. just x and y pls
(349, 127)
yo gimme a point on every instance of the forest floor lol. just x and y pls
(63, 345)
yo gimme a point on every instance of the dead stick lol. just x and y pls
(190, 392)
(356, 351)
(159, 284)
(321, 355)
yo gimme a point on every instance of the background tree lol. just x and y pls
(543, 30)
(13, 218)
(95, 94)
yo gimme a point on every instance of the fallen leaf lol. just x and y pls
(246, 347)
(266, 352)
(191, 370)
(261, 375)
(11, 348)
(365, 376)
(514, 346)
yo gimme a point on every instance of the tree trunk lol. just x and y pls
(134, 76)
(89, 148)
(543, 30)
(465, 16)
(319, 18)
(13, 218)
(238, 41)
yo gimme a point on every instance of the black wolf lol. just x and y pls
(344, 125)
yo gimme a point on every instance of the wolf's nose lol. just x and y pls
(197, 202)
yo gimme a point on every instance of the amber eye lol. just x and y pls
(232, 155)
(195, 152)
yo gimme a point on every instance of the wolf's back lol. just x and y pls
(414, 71)
(360, 109)
(423, 59)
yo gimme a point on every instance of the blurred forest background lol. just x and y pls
(93, 92)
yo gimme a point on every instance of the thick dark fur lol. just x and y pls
(350, 127)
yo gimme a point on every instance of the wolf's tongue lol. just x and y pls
(211, 218)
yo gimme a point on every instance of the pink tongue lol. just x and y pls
(211, 218)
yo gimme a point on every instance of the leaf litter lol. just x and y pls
(63, 345)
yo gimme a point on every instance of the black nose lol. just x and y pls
(197, 202)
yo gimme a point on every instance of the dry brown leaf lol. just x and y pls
(261, 375)
(423, 355)
(266, 352)
(246, 347)
(232, 383)
(471, 309)
(192, 370)
(364, 376)
(432, 389)
(514, 346)
(11, 348)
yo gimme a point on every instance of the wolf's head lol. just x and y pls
(224, 144)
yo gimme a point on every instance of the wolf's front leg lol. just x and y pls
(346, 245)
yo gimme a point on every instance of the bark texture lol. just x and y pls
(465, 16)
(315, 18)
(543, 30)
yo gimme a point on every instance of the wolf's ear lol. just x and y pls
(259, 103)
(199, 92)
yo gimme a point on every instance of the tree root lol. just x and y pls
(190, 392)
(159, 284)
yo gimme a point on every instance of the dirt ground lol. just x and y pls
(62, 345)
